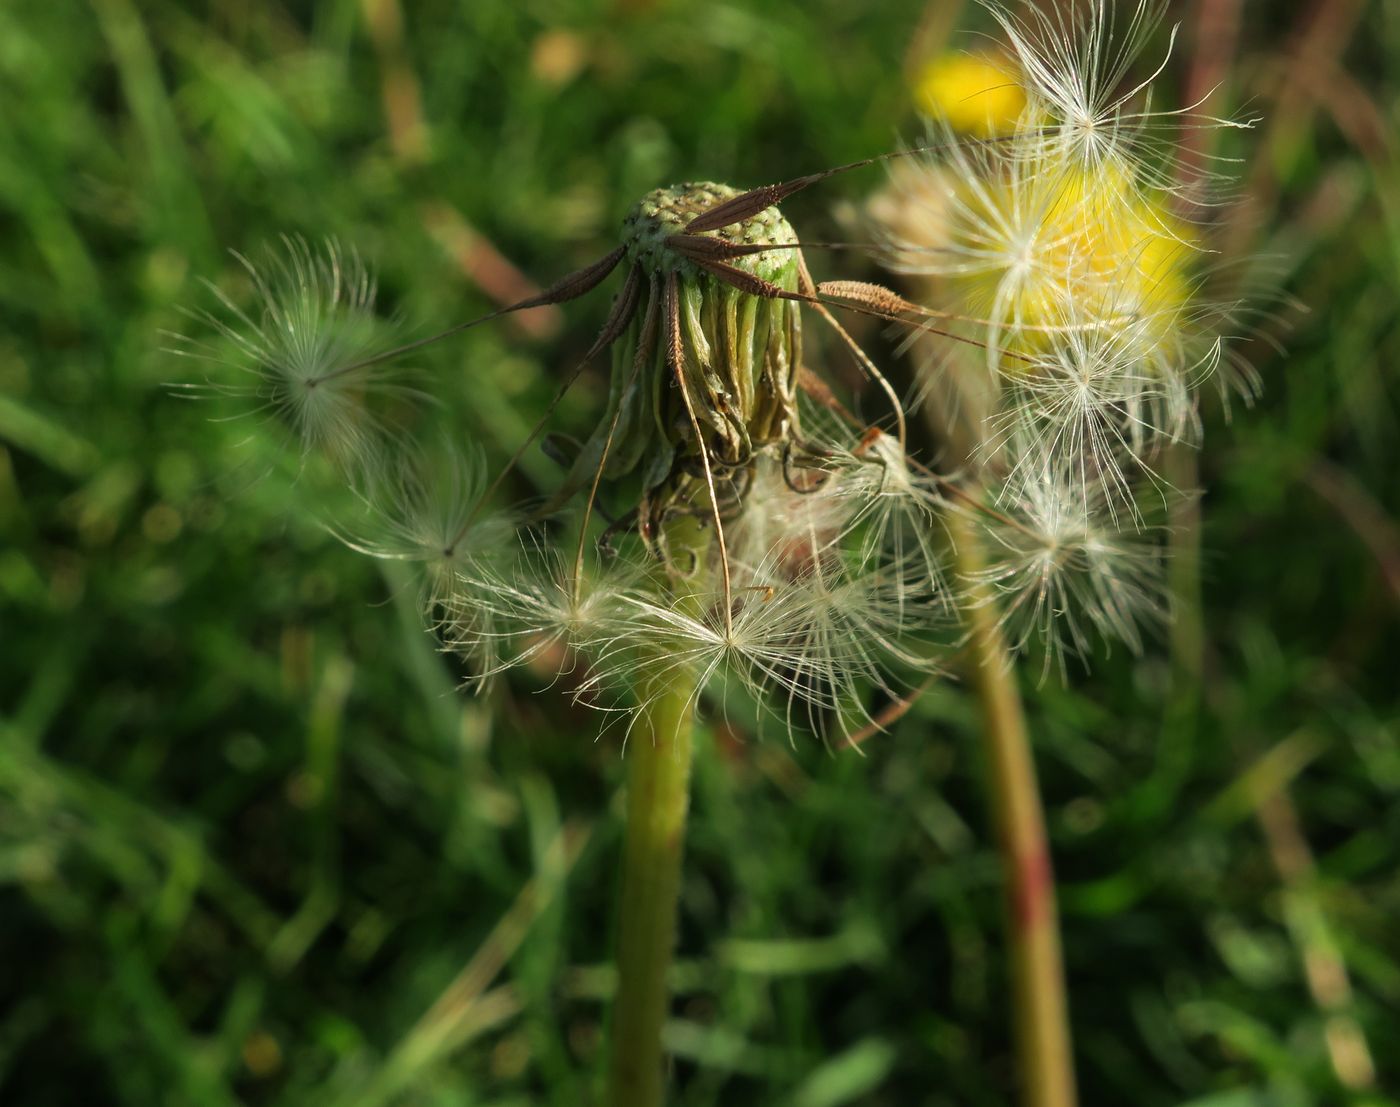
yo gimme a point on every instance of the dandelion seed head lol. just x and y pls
(1066, 246)
(704, 377)
(665, 212)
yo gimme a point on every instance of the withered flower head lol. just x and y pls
(704, 375)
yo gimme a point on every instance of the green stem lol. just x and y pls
(1041, 1008)
(659, 755)
(657, 800)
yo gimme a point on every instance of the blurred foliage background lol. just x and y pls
(254, 849)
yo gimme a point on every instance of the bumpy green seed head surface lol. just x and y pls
(666, 211)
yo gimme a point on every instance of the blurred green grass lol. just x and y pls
(253, 848)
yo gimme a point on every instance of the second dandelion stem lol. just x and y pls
(1041, 1008)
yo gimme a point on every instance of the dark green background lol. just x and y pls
(248, 834)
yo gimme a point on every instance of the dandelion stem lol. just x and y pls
(1044, 1057)
(659, 756)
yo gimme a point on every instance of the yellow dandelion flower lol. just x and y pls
(973, 94)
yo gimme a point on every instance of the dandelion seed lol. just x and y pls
(428, 510)
(308, 350)
(894, 513)
(1094, 406)
(1062, 570)
(538, 606)
(1075, 63)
